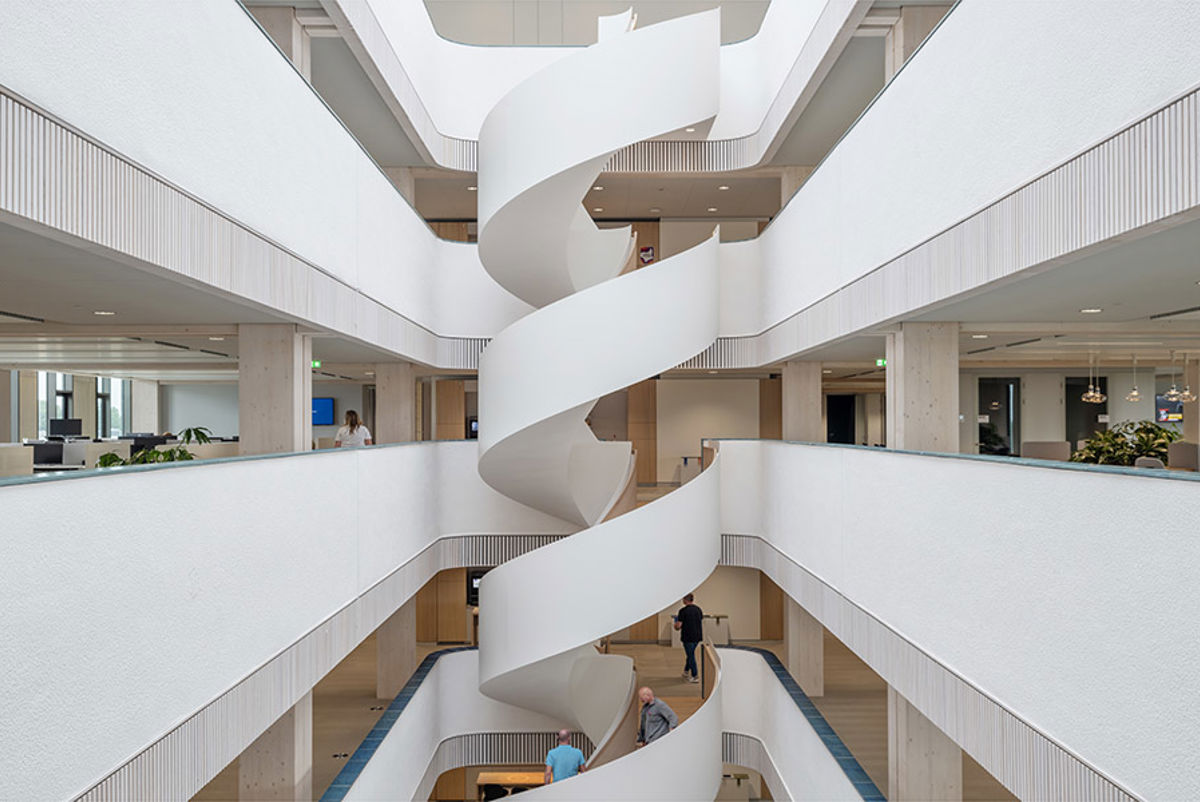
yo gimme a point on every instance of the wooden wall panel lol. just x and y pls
(452, 230)
(452, 606)
(642, 418)
(770, 409)
(451, 786)
(770, 609)
(647, 235)
(451, 410)
(645, 631)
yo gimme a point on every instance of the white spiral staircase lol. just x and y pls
(594, 331)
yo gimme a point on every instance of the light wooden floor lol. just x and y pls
(855, 705)
(343, 714)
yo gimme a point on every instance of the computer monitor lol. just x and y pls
(65, 427)
(472, 428)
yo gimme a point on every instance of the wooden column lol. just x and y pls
(278, 765)
(395, 398)
(923, 763)
(452, 606)
(802, 403)
(922, 387)
(642, 419)
(770, 609)
(83, 391)
(804, 640)
(426, 612)
(396, 650)
(451, 410)
(770, 408)
(27, 404)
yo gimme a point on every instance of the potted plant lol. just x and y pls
(1125, 442)
(146, 456)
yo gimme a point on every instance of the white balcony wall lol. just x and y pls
(448, 703)
(205, 101)
(755, 703)
(124, 616)
(1000, 93)
(1068, 595)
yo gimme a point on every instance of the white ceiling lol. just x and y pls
(341, 82)
(625, 196)
(573, 22)
(853, 82)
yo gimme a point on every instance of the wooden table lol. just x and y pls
(508, 779)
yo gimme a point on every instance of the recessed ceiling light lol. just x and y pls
(1091, 311)
(712, 372)
(712, 208)
(472, 189)
(369, 372)
(979, 336)
(598, 188)
(723, 187)
(103, 313)
(216, 339)
(598, 209)
(690, 130)
(827, 370)
(656, 209)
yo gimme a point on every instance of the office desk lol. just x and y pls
(85, 453)
(509, 779)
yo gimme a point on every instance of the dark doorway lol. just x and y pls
(999, 416)
(839, 419)
(1083, 419)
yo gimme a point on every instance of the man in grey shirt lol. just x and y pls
(657, 718)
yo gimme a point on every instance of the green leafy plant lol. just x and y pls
(195, 434)
(1125, 442)
(148, 456)
(110, 460)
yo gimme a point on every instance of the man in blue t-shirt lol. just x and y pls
(564, 760)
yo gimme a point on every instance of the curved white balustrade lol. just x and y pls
(540, 150)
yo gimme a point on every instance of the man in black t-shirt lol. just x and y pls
(689, 623)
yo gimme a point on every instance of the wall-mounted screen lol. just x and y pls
(322, 412)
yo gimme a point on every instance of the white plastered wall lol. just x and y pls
(729, 591)
(1053, 610)
(691, 409)
(153, 615)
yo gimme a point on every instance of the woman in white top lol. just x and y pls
(353, 434)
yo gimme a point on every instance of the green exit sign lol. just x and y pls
(316, 363)
(881, 363)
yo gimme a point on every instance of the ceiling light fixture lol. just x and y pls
(598, 209)
(712, 208)
(216, 339)
(827, 370)
(690, 130)
(369, 372)
(1133, 396)
(1187, 396)
(1093, 394)
(712, 373)
(656, 210)
(598, 189)
(1172, 394)
(103, 313)
(472, 189)
(979, 336)
(1091, 311)
(722, 188)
